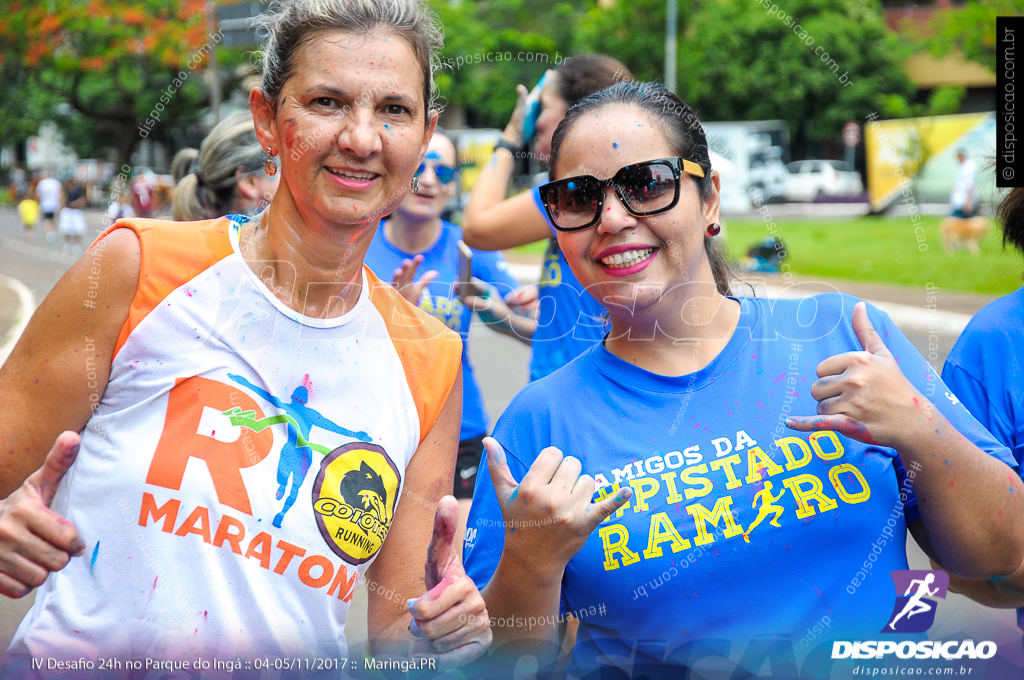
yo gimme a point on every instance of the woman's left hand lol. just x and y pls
(451, 615)
(404, 277)
(864, 395)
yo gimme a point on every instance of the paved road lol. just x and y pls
(501, 365)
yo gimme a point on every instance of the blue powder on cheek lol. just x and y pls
(615, 144)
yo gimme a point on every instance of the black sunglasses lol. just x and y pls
(643, 189)
(444, 173)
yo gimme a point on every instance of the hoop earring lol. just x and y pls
(415, 185)
(714, 229)
(270, 167)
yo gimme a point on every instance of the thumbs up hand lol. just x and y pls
(34, 540)
(451, 615)
(864, 395)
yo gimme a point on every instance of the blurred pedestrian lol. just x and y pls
(19, 183)
(71, 223)
(28, 209)
(985, 372)
(50, 193)
(225, 176)
(142, 196)
(962, 198)
(570, 319)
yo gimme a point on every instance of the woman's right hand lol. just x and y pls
(549, 515)
(514, 130)
(35, 540)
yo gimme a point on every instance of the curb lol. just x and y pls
(26, 306)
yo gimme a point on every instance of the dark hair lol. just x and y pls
(1011, 214)
(288, 26)
(682, 129)
(586, 74)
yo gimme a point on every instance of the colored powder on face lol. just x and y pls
(615, 144)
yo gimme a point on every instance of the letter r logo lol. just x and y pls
(194, 408)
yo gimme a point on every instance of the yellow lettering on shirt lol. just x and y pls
(804, 496)
(758, 460)
(837, 483)
(726, 464)
(604, 492)
(835, 446)
(689, 477)
(787, 444)
(663, 530)
(643, 488)
(721, 512)
(670, 482)
(614, 539)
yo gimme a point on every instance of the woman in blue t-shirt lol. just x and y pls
(415, 236)
(729, 521)
(985, 370)
(570, 321)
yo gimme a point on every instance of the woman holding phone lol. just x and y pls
(227, 363)
(570, 320)
(416, 236)
(728, 516)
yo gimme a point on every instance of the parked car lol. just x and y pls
(816, 180)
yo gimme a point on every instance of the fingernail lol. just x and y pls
(790, 422)
(415, 629)
(411, 603)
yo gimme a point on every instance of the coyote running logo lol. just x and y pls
(354, 498)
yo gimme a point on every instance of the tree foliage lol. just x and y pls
(817, 64)
(126, 69)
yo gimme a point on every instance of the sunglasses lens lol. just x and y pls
(574, 202)
(445, 173)
(648, 187)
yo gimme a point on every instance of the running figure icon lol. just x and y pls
(767, 507)
(297, 452)
(914, 604)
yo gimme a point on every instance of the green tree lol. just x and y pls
(970, 29)
(126, 69)
(631, 31)
(815, 63)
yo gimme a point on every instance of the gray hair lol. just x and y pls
(206, 179)
(291, 24)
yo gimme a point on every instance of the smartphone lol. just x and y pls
(533, 110)
(465, 269)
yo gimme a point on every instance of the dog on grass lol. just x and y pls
(959, 232)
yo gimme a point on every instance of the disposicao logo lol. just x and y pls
(914, 612)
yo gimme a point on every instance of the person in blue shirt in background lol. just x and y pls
(729, 518)
(570, 320)
(415, 235)
(985, 371)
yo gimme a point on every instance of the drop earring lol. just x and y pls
(714, 229)
(270, 167)
(415, 185)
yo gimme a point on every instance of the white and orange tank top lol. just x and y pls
(243, 466)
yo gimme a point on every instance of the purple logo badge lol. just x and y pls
(914, 611)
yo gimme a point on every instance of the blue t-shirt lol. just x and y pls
(673, 572)
(985, 370)
(569, 319)
(440, 298)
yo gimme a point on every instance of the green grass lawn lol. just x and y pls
(881, 249)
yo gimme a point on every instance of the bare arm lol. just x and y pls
(58, 370)
(45, 385)
(492, 221)
(451, 620)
